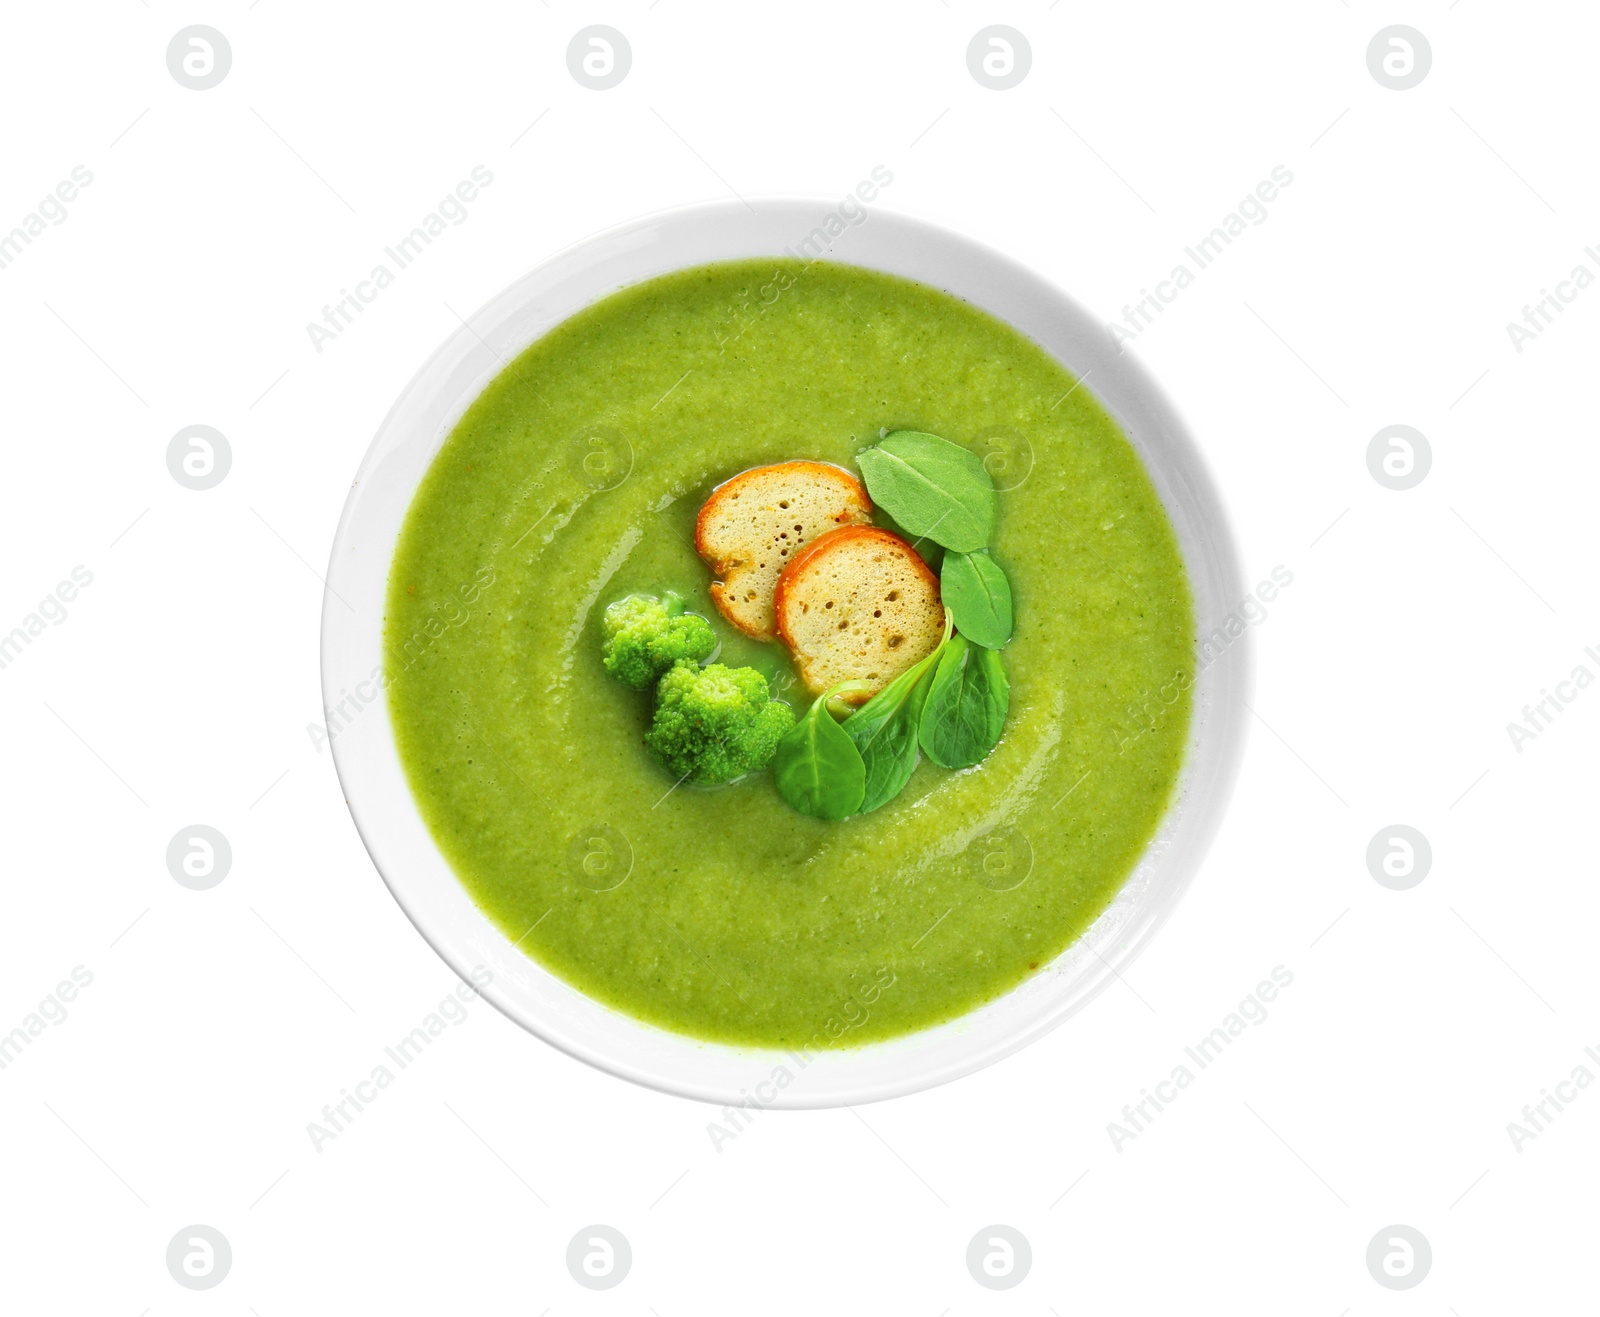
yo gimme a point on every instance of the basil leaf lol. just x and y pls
(933, 488)
(885, 731)
(817, 767)
(976, 591)
(966, 707)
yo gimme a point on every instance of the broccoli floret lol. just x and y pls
(716, 723)
(645, 637)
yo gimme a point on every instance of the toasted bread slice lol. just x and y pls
(858, 604)
(752, 527)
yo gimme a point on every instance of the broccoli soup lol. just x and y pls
(767, 833)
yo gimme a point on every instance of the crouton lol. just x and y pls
(752, 526)
(858, 604)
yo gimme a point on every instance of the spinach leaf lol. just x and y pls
(977, 592)
(817, 767)
(885, 729)
(966, 706)
(933, 488)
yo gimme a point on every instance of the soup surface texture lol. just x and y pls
(721, 913)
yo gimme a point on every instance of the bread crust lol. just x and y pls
(850, 507)
(876, 661)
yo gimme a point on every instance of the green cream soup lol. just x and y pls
(720, 912)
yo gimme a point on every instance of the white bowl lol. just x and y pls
(422, 880)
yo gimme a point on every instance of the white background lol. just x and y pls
(179, 687)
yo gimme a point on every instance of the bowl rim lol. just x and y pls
(1227, 718)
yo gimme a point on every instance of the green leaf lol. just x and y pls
(885, 729)
(977, 592)
(817, 767)
(933, 488)
(966, 706)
